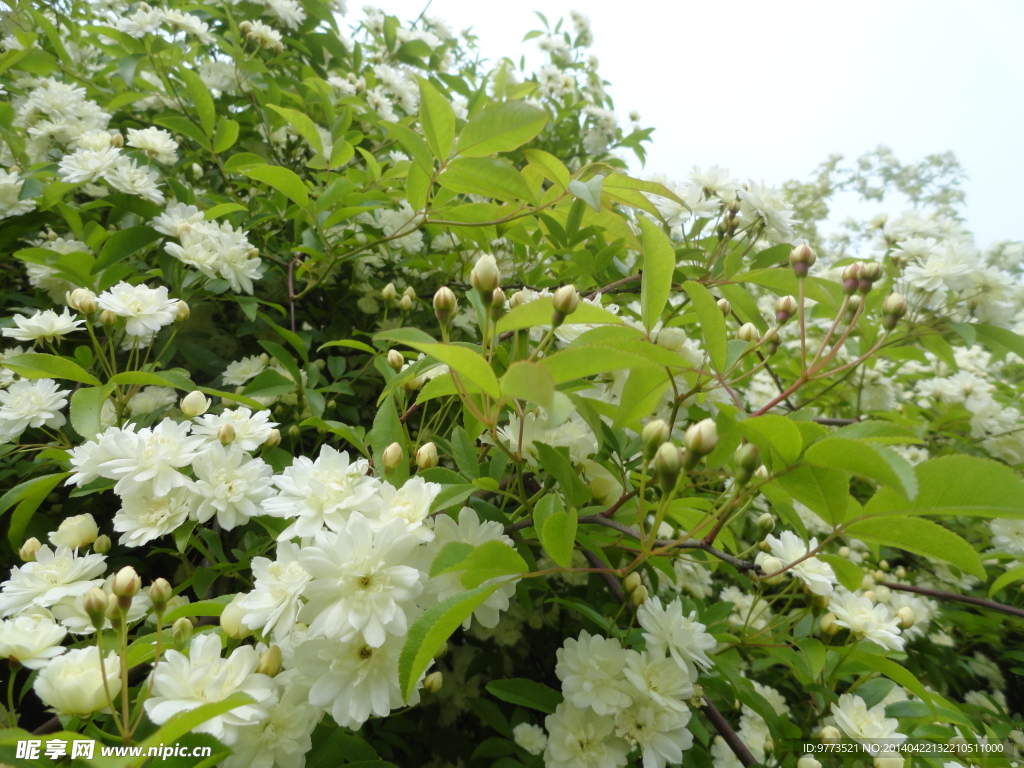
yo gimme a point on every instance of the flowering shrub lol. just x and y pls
(357, 405)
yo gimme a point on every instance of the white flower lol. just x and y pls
(72, 684)
(145, 516)
(10, 194)
(322, 492)
(230, 484)
(147, 309)
(265, 37)
(126, 176)
(660, 733)
(74, 532)
(359, 581)
(283, 738)
(241, 371)
(31, 639)
(410, 504)
(354, 679)
(181, 684)
(54, 574)
(156, 143)
(759, 202)
(862, 617)
(251, 429)
(148, 460)
(176, 219)
(716, 181)
(591, 673)
(659, 680)
(30, 403)
(45, 325)
(868, 726)
(577, 738)
(150, 399)
(667, 632)
(86, 165)
(188, 24)
(1008, 536)
(530, 737)
(288, 11)
(144, 21)
(274, 603)
(788, 548)
(470, 530)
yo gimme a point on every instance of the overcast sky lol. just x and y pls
(770, 89)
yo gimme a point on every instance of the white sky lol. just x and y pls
(770, 89)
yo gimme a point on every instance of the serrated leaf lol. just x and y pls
(921, 537)
(659, 264)
(124, 243)
(712, 323)
(492, 559)
(86, 406)
(825, 491)
(201, 98)
(487, 176)
(303, 125)
(558, 536)
(849, 574)
(526, 693)
(465, 361)
(776, 431)
(874, 462)
(438, 120)
(529, 381)
(500, 127)
(539, 312)
(35, 365)
(283, 180)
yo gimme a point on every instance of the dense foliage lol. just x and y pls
(358, 405)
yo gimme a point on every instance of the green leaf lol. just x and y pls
(529, 381)
(659, 264)
(577, 362)
(874, 462)
(539, 312)
(201, 98)
(957, 485)
(303, 125)
(814, 652)
(432, 630)
(526, 693)
(921, 537)
(640, 395)
(28, 495)
(451, 554)
(349, 343)
(124, 243)
(491, 560)
(552, 168)
(712, 323)
(86, 406)
(465, 361)
(269, 383)
(825, 491)
(35, 365)
(464, 452)
(1012, 575)
(226, 136)
(558, 536)
(776, 431)
(893, 671)
(501, 127)
(588, 191)
(559, 466)
(283, 180)
(222, 210)
(438, 120)
(878, 432)
(849, 574)
(176, 378)
(487, 176)
(387, 429)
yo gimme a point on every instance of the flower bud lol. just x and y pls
(441, 652)
(893, 308)
(405, 304)
(410, 292)
(195, 403)
(808, 761)
(725, 306)
(747, 458)
(389, 293)
(113, 611)
(871, 271)
(497, 304)
(830, 735)
(28, 550)
(870, 595)
(392, 457)
(668, 463)
(851, 277)
(901, 572)
(181, 311)
(701, 438)
(654, 434)
(906, 617)
(853, 305)
(426, 456)
(395, 359)
(96, 607)
(181, 631)
(565, 301)
(102, 544)
(485, 277)
(126, 583)
(107, 317)
(785, 308)
(801, 259)
(766, 523)
(225, 433)
(639, 596)
(270, 662)
(762, 473)
(517, 300)
(828, 625)
(771, 565)
(273, 438)
(445, 305)
(231, 620)
(117, 140)
(160, 592)
(632, 582)
(748, 332)
(432, 683)
(82, 300)
(75, 532)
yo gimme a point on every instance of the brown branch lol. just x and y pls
(828, 422)
(952, 596)
(613, 584)
(728, 734)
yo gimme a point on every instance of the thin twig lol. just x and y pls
(728, 734)
(613, 584)
(952, 596)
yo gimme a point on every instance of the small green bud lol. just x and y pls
(785, 308)
(432, 683)
(893, 308)
(565, 301)
(801, 259)
(445, 305)
(485, 277)
(639, 596)
(668, 463)
(748, 332)
(181, 631)
(426, 456)
(270, 661)
(747, 458)
(654, 434)
(389, 293)
(632, 582)
(96, 607)
(766, 523)
(395, 359)
(701, 438)
(102, 544)
(725, 306)
(392, 457)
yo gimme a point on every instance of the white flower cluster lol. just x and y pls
(55, 113)
(147, 21)
(215, 250)
(618, 700)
